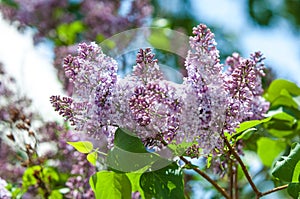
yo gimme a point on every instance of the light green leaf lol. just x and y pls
(249, 124)
(284, 116)
(284, 101)
(67, 33)
(92, 157)
(278, 85)
(159, 39)
(268, 150)
(48, 174)
(246, 134)
(108, 184)
(285, 168)
(82, 146)
(135, 182)
(55, 194)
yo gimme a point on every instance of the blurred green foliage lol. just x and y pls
(267, 12)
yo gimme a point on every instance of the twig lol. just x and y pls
(236, 155)
(274, 190)
(204, 175)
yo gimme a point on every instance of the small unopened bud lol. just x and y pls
(27, 121)
(22, 126)
(11, 137)
(31, 133)
(28, 147)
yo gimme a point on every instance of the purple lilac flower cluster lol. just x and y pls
(209, 102)
(203, 116)
(243, 83)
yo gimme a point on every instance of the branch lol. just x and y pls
(238, 158)
(204, 175)
(274, 190)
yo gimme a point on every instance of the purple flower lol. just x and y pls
(94, 76)
(243, 83)
(202, 117)
(156, 110)
(146, 68)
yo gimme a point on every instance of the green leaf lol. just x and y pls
(108, 184)
(82, 146)
(249, 124)
(163, 183)
(55, 194)
(67, 33)
(180, 149)
(135, 182)
(284, 116)
(284, 101)
(246, 134)
(126, 161)
(278, 85)
(159, 39)
(130, 155)
(285, 168)
(268, 150)
(92, 157)
(127, 141)
(32, 174)
(28, 178)
(294, 190)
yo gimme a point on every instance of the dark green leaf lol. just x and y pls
(294, 190)
(285, 168)
(108, 184)
(163, 183)
(126, 161)
(130, 155)
(127, 141)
